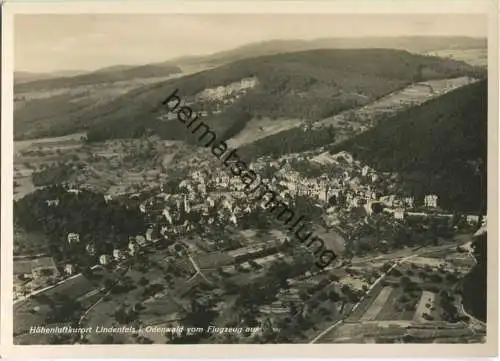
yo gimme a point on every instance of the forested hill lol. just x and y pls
(414, 44)
(308, 85)
(111, 74)
(475, 283)
(436, 148)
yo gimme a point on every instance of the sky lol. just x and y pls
(53, 42)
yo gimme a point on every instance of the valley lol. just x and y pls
(122, 219)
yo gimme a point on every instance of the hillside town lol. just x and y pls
(364, 221)
(206, 230)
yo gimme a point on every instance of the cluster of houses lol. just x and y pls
(209, 196)
(234, 90)
(117, 255)
(212, 100)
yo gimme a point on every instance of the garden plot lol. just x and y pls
(424, 306)
(377, 304)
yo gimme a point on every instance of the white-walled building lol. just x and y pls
(409, 202)
(431, 201)
(117, 254)
(73, 238)
(69, 269)
(104, 259)
(52, 202)
(399, 213)
(140, 240)
(90, 248)
(472, 219)
(132, 247)
(149, 234)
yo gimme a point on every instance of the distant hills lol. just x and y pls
(437, 147)
(110, 74)
(67, 101)
(307, 85)
(414, 44)
(25, 76)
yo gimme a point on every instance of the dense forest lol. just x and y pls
(306, 85)
(475, 283)
(293, 140)
(438, 147)
(105, 224)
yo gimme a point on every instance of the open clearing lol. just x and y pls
(20, 145)
(257, 129)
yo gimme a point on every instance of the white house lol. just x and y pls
(431, 200)
(388, 200)
(73, 238)
(141, 240)
(399, 213)
(52, 202)
(472, 219)
(167, 215)
(104, 259)
(163, 230)
(69, 269)
(149, 234)
(409, 201)
(90, 248)
(132, 246)
(117, 254)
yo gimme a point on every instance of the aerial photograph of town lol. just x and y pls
(249, 179)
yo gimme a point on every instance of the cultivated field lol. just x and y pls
(360, 118)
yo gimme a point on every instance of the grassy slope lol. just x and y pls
(432, 147)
